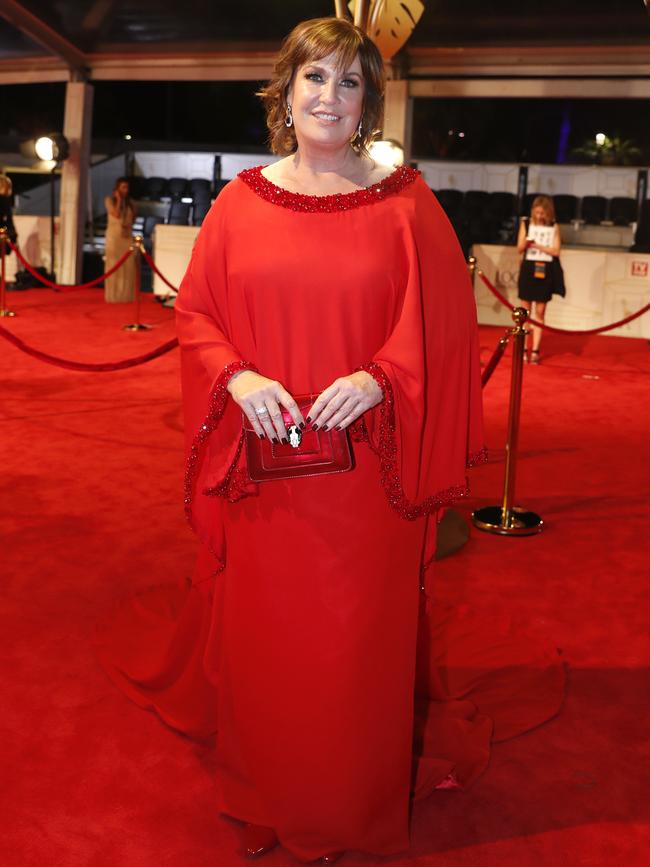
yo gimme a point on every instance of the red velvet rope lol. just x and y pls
(85, 367)
(46, 282)
(600, 330)
(491, 366)
(155, 268)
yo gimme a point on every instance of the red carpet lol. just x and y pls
(92, 510)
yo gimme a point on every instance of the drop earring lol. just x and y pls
(288, 118)
(360, 129)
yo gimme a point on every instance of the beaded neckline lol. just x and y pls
(396, 181)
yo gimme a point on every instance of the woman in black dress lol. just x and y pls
(539, 241)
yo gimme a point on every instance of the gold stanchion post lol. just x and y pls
(507, 519)
(471, 264)
(3, 274)
(137, 248)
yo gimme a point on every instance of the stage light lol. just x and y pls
(52, 147)
(127, 137)
(387, 152)
(51, 150)
(601, 138)
(44, 148)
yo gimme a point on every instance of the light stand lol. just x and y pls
(52, 222)
(53, 148)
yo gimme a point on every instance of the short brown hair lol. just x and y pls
(545, 202)
(312, 40)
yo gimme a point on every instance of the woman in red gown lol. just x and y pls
(325, 274)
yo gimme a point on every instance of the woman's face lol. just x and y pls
(327, 102)
(123, 189)
(539, 215)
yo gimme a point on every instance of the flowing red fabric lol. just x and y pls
(336, 688)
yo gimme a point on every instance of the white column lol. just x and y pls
(74, 181)
(398, 114)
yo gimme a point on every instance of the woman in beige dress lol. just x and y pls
(119, 229)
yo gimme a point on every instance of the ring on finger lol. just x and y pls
(261, 410)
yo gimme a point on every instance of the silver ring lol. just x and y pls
(261, 410)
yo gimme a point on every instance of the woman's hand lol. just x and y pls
(253, 392)
(345, 400)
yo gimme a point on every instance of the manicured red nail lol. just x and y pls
(324, 427)
(308, 419)
(314, 427)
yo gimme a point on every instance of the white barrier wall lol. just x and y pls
(602, 287)
(34, 241)
(196, 165)
(552, 180)
(172, 247)
(491, 177)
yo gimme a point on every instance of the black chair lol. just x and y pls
(642, 234)
(136, 186)
(622, 210)
(149, 225)
(154, 188)
(177, 188)
(475, 202)
(201, 197)
(529, 198)
(593, 209)
(475, 208)
(179, 214)
(451, 202)
(566, 208)
(501, 217)
(501, 206)
(200, 188)
(219, 185)
(199, 210)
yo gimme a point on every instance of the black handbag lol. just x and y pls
(557, 274)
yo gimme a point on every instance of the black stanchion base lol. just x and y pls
(7, 313)
(522, 522)
(137, 326)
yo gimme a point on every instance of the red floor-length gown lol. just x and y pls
(300, 652)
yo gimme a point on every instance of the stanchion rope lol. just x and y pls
(492, 364)
(104, 367)
(62, 288)
(88, 367)
(147, 258)
(600, 330)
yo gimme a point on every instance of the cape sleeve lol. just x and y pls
(429, 427)
(213, 425)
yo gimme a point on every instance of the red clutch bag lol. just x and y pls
(308, 453)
